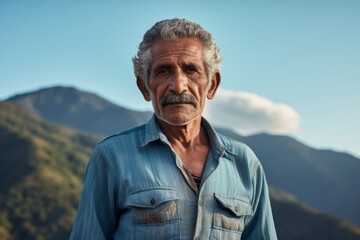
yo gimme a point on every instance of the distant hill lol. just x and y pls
(80, 110)
(41, 176)
(41, 173)
(296, 221)
(322, 179)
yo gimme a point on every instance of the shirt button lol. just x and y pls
(152, 201)
(197, 238)
(236, 209)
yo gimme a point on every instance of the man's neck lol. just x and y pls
(190, 142)
(186, 136)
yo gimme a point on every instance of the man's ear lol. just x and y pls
(215, 82)
(143, 89)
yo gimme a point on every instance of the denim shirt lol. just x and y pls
(136, 187)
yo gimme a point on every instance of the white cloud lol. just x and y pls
(248, 113)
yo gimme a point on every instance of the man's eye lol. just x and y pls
(190, 69)
(163, 71)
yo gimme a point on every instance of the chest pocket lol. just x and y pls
(228, 218)
(155, 213)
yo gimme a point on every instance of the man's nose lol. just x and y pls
(178, 82)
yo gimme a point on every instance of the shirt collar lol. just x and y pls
(217, 147)
(153, 133)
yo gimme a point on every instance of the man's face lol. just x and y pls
(178, 85)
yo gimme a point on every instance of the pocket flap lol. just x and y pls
(151, 197)
(238, 206)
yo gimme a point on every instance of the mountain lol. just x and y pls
(41, 173)
(296, 221)
(80, 110)
(320, 178)
(323, 179)
(42, 166)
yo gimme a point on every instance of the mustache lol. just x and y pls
(173, 98)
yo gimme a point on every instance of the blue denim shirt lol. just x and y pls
(136, 187)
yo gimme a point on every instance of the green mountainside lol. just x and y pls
(322, 179)
(41, 175)
(41, 172)
(80, 110)
(296, 221)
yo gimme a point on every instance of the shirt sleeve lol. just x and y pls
(260, 226)
(96, 217)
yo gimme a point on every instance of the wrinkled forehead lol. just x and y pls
(186, 48)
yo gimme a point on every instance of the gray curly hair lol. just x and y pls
(173, 29)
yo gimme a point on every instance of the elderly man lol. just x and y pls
(174, 177)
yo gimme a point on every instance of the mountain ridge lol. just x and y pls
(312, 175)
(322, 179)
(39, 187)
(42, 202)
(79, 109)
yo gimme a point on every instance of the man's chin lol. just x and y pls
(178, 122)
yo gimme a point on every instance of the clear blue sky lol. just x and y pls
(305, 54)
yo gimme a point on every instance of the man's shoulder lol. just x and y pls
(131, 136)
(240, 152)
(234, 146)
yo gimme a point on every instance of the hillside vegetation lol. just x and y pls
(296, 221)
(322, 179)
(41, 175)
(80, 110)
(42, 167)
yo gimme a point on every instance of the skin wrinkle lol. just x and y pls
(176, 29)
(173, 98)
(150, 204)
(178, 70)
